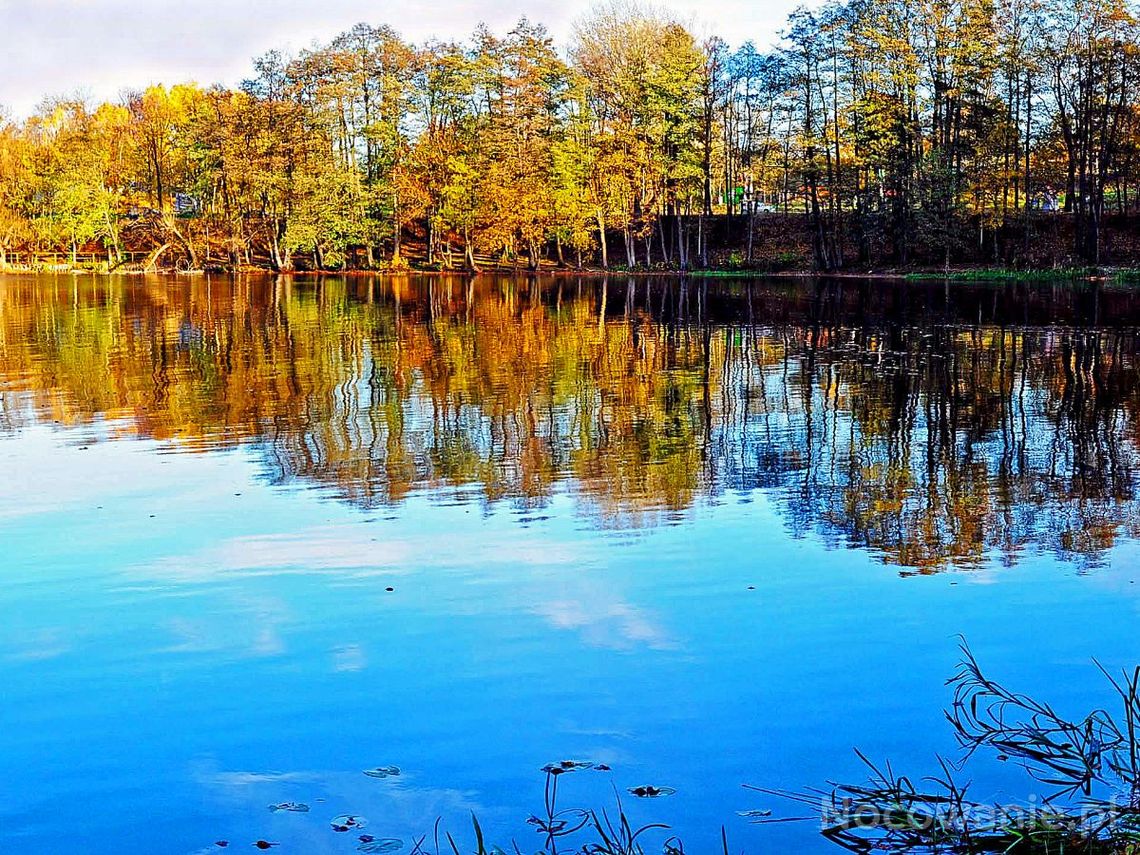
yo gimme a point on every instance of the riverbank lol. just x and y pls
(1116, 275)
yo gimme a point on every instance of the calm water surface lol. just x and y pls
(260, 535)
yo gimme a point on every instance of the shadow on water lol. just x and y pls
(934, 425)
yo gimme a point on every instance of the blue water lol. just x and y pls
(192, 630)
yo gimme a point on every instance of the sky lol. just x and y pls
(98, 48)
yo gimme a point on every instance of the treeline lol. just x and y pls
(899, 131)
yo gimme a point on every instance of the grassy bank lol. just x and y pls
(1004, 274)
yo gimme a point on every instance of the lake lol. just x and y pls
(261, 535)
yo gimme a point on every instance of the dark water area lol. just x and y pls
(261, 535)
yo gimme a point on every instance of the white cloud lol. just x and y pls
(315, 550)
(350, 658)
(100, 47)
(604, 620)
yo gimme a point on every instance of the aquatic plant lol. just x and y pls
(1007, 274)
(576, 830)
(1089, 767)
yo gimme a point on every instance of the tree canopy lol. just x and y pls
(904, 130)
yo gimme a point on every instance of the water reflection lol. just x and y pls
(933, 426)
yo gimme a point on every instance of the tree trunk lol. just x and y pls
(682, 253)
(184, 242)
(469, 253)
(602, 241)
(751, 229)
(396, 227)
(700, 241)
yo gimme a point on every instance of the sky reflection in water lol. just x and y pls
(704, 533)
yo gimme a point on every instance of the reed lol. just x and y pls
(1088, 770)
(565, 830)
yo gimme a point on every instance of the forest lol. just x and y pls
(872, 133)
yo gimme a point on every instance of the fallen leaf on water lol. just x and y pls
(384, 844)
(383, 772)
(566, 766)
(754, 814)
(649, 792)
(294, 807)
(348, 821)
(548, 825)
(265, 844)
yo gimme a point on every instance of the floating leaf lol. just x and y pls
(294, 807)
(754, 814)
(566, 766)
(348, 822)
(547, 826)
(384, 844)
(649, 792)
(265, 844)
(601, 767)
(383, 772)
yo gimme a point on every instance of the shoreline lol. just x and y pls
(1119, 275)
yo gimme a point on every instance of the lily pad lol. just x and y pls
(383, 844)
(563, 766)
(383, 772)
(293, 807)
(348, 822)
(651, 792)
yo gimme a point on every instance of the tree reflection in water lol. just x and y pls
(935, 426)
